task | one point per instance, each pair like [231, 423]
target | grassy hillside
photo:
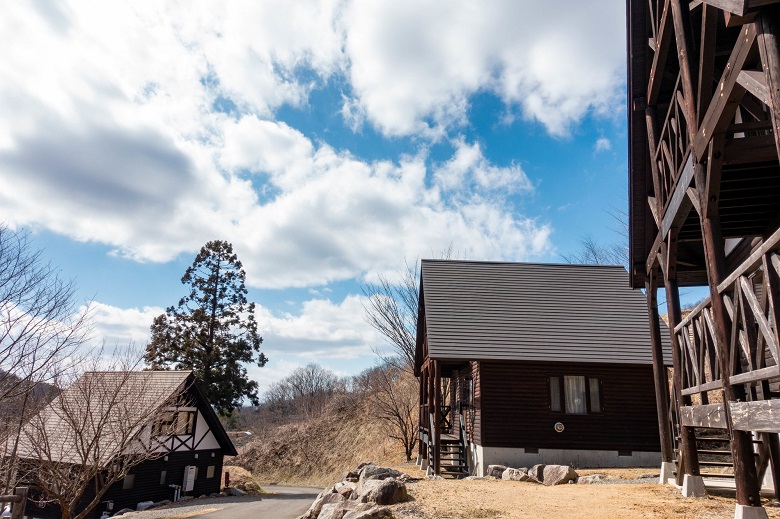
[319, 450]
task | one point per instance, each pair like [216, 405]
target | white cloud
[123, 326]
[414, 63]
[468, 166]
[602, 144]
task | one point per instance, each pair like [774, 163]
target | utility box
[189, 478]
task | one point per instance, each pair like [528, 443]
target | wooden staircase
[453, 459]
[714, 454]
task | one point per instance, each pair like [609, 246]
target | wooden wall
[147, 485]
[472, 416]
[515, 407]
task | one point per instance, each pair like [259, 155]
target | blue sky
[328, 140]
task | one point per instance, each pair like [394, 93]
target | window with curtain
[575, 394]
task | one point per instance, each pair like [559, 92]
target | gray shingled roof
[535, 312]
[130, 399]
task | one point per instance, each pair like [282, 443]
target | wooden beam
[653, 203]
[693, 195]
[663, 43]
[679, 205]
[754, 81]
[660, 381]
[768, 42]
[712, 416]
[760, 416]
[738, 7]
[651, 121]
[709, 31]
[729, 92]
[689, 69]
[711, 186]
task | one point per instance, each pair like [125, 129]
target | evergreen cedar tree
[212, 331]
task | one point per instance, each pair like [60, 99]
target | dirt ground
[451, 499]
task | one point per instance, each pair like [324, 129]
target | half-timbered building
[704, 120]
[523, 363]
[182, 439]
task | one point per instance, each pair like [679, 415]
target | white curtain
[574, 387]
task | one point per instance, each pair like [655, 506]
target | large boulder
[326, 498]
[375, 512]
[511, 474]
[552, 474]
[368, 472]
[345, 488]
[339, 510]
[383, 492]
[495, 471]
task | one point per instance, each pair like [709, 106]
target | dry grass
[450, 499]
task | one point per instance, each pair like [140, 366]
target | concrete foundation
[480, 457]
[667, 472]
[693, 486]
[749, 512]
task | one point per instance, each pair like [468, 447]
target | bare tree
[92, 435]
[593, 252]
[305, 392]
[40, 330]
[391, 391]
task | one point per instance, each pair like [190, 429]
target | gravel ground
[193, 507]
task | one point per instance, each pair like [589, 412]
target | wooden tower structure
[704, 196]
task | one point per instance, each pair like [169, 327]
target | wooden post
[745, 476]
[768, 42]
[18, 508]
[774, 461]
[437, 418]
[688, 453]
[421, 450]
[659, 371]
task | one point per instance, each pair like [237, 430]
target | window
[575, 394]
[178, 423]
[163, 477]
[128, 482]
[210, 472]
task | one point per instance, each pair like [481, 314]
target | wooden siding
[515, 407]
[147, 485]
[472, 415]
[534, 312]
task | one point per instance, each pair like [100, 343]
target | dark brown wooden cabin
[200, 441]
[704, 207]
[524, 363]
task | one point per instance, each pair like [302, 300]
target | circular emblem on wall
[559, 427]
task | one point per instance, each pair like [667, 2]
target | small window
[163, 477]
[595, 401]
[575, 394]
[210, 472]
[574, 389]
[128, 482]
[555, 394]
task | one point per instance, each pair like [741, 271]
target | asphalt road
[279, 503]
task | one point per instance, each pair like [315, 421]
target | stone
[383, 492]
[364, 464]
[323, 499]
[143, 505]
[375, 512]
[185, 498]
[511, 474]
[433, 476]
[495, 471]
[472, 478]
[338, 510]
[352, 476]
[375, 472]
[536, 473]
[168, 502]
[345, 488]
[237, 492]
[124, 511]
[558, 475]
[649, 475]
[593, 478]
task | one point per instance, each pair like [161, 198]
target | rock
[338, 510]
[183, 499]
[433, 476]
[143, 505]
[375, 512]
[352, 476]
[383, 492]
[345, 488]
[495, 471]
[124, 511]
[364, 464]
[472, 478]
[589, 480]
[375, 472]
[237, 492]
[511, 474]
[552, 474]
[320, 502]
[215, 494]
[649, 475]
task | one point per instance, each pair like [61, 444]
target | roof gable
[535, 312]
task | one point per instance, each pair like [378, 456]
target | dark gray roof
[535, 312]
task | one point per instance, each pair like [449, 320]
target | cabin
[162, 418]
[526, 363]
[704, 211]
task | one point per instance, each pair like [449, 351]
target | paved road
[280, 503]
